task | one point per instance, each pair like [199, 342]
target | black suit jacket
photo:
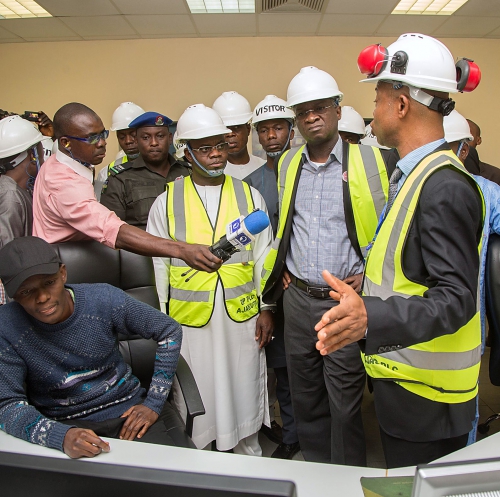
[274, 287]
[441, 253]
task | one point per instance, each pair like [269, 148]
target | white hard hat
[456, 128]
[414, 59]
[370, 139]
[17, 135]
[351, 121]
[233, 108]
[179, 147]
[199, 121]
[125, 114]
[272, 107]
[312, 84]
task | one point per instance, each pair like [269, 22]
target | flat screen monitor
[479, 478]
[27, 475]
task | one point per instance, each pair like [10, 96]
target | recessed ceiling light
[221, 6]
[12, 9]
[428, 7]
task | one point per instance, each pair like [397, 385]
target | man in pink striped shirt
[64, 203]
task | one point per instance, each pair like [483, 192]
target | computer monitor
[471, 478]
[38, 476]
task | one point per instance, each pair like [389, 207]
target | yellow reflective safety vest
[444, 369]
[368, 187]
[110, 168]
[191, 302]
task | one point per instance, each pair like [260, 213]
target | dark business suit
[326, 390]
[441, 252]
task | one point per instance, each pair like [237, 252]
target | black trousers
[326, 390]
[167, 430]
[400, 453]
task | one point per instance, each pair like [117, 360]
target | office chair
[92, 262]
[492, 282]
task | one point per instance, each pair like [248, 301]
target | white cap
[233, 108]
[456, 128]
[312, 84]
[125, 114]
[272, 107]
[424, 62]
[17, 135]
[199, 121]
[351, 121]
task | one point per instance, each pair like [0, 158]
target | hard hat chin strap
[133, 156]
[442, 105]
[277, 154]
[460, 148]
[212, 172]
[30, 184]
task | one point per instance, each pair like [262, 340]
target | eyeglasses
[92, 139]
[204, 151]
[319, 111]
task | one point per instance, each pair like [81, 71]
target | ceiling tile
[162, 25]
[288, 23]
[226, 24]
[396, 24]
[144, 7]
[468, 26]
[484, 8]
[99, 26]
[63, 8]
[494, 34]
[7, 35]
[360, 6]
[41, 27]
[50, 38]
[345, 24]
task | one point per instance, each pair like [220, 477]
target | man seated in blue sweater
[63, 381]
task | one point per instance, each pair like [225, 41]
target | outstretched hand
[343, 324]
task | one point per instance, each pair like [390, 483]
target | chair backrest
[92, 262]
[493, 305]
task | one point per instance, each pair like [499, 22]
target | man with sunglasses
[224, 328]
[331, 194]
[64, 204]
[133, 187]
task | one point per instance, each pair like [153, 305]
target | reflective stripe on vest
[191, 302]
[446, 368]
[368, 187]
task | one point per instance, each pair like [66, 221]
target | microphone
[239, 234]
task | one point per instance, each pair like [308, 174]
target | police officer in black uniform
[133, 186]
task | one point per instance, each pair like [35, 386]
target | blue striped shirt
[319, 238]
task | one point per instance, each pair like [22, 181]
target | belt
[318, 292]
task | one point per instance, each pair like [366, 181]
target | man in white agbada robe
[227, 358]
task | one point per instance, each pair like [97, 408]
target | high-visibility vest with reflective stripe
[368, 186]
[446, 368]
[191, 302]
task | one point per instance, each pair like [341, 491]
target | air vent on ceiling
[293, 6]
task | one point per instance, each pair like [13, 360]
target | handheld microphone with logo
[239, 233]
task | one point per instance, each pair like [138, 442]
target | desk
[311, 479]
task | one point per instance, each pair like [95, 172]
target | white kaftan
[224, 356]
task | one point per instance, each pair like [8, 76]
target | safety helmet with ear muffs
[468, 75]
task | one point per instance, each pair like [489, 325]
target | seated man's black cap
[24, 257]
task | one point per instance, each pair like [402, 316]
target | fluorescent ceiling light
[428, 7]
[12, 9]
[221, 6]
